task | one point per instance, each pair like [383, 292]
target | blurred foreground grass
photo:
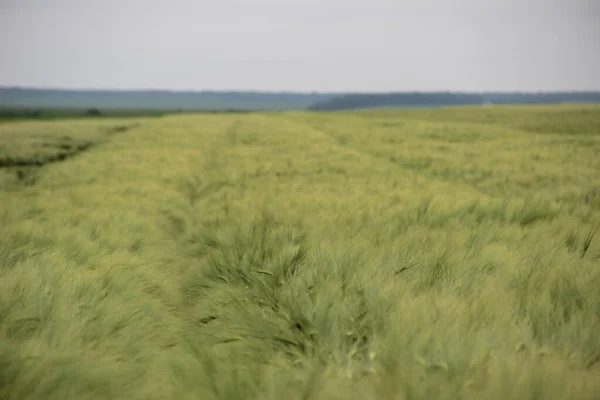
[373, 255]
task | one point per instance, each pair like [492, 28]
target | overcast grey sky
[304, 45]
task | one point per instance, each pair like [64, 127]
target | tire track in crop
[64, 150]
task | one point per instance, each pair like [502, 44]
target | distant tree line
[160, 100]
[56, 113]
[441, 99]
[19, 113]
[38, 103]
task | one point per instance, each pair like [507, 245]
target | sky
[302, 45]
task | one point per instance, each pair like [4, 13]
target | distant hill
[444, 99]
[156, 100]
[165, 101]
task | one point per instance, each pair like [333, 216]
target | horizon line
[301, 92]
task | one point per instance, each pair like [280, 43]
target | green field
[422, 254]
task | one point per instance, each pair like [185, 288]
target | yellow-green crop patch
[34, 144]
[372, 255]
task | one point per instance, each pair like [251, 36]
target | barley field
[422, 254]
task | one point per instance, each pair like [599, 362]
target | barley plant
[447, 254]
